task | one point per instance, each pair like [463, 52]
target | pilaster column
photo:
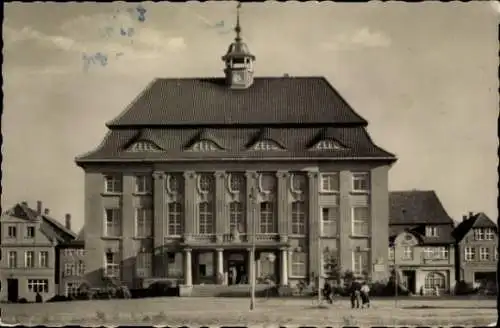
[221, 224]
[128, 228]
[284, 267]
[188, 272]
[251, 265]
[189, 204]
[251, 204]
[314, 223]
[345, 226]
[220, 263]
[159, 226]
[282, 202]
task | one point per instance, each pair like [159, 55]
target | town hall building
[196, 170]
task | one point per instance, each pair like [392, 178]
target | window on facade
[329, 182]
[236, 217]
[436, 253]
[81, 268]
[205, 183]
[69, 269]
[360, 181]
[470, 253]
[113, 222]
[175, 219]
[143, 184]
[38, 285]
[29, 259]
[329, 221]
[489, 234]
[44, 259]
[298, 218]
[173, 183]
[12, 232]
[236, 182]
[299, 264]
[391, 254]
[299, 182]
[435, 279]
[484, 254]
[267, 182]
[71, 288]
[113, 183]
[143, 222]
[144, 146]
[266, 145]
[360, 262]
[12, 258]
[484, 234]
[360, 220]
[112, 265]
[30, 232]
[267, 218]
[206, 218]
[431, 231]
[327, 145]
[205, 145]
[144, 264]
[408, 253]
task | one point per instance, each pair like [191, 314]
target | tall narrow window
[299, 264]
[113, 222]
[30, 232]
[329, 221]
[431, 231]
[112, 265]
[206, 218]
[12, 232]
[360, 220]
[144, 264]
[44, 259]
[29, 259]
[205, 183]
[175, 219]
[360, 182]
[236, 217]
[143, 184]
[360, 262]
[298, 218]
[12, 257]
[408, 253]
[143, 222]
[267, 218]
[113, 183]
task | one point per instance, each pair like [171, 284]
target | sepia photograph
[276, 164]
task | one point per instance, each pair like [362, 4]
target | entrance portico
[203, 265]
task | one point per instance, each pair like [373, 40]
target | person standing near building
[365, 295]
[355, 293]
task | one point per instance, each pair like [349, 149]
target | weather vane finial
[237, 29]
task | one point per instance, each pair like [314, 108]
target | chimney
[25, 203]
[464, 218]
[46, 211]
[471, 214]
[67, 221]
[39, 207]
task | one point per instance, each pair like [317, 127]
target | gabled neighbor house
[183, 173]
[28, 241]
[421, 245]
[476, 254]
[70, 259]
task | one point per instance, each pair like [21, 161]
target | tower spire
[237, 28]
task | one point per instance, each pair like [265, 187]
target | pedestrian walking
[355, 293]
[327, 292]
[365, 295]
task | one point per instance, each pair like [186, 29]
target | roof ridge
[59, 225]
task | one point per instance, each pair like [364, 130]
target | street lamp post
[253, 202]
[395, 277]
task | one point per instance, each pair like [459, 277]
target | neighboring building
[477, 249]
[174, 187]
[27, 245]
[421, 231]
[70, 263]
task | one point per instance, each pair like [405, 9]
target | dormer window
[266, 145]
[431, 231]
[205, 145]
[144, 145]
[327, 145]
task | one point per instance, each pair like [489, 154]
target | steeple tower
[238, 60]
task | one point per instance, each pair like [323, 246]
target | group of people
[359, 293]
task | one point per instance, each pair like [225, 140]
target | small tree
[331, 266]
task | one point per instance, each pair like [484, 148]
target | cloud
[362, 38]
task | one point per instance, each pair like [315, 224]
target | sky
[424, 75]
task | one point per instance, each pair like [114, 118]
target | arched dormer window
[266, 145]
[143, 145]
[205, 145]
[327, 144]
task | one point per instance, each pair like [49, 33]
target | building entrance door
[12, 290]
[409, 280]
[237, 268]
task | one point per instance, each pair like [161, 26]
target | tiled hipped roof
[413, 210]
[478, 220]
[193, 101]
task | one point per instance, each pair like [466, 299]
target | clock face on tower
[238, 77]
